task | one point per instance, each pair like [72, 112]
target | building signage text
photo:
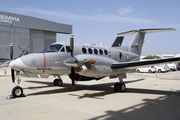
[8, 19]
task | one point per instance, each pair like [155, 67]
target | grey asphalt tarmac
[146, 98]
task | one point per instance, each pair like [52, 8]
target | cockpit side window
[68, 49]
[62, 50]
[53, 47]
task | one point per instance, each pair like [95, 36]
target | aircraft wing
[136, 64]
[3, 65]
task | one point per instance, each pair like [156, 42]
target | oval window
[84, 50]
[105, 52]
[100, 51]
[90, 50]
[95, 51]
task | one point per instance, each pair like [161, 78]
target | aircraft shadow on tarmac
[104, 89]
[162, 108]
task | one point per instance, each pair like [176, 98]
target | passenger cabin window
[54, 47]
[95, 51]
[84, 50]
[68, 49]
[105, 52]
[90, 50]
[100, 51]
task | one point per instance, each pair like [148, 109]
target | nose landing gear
[17, 91]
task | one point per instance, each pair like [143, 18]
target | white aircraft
[85, 62]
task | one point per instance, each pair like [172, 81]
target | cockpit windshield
[54, 47]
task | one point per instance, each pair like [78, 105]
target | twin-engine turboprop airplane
[86, 62]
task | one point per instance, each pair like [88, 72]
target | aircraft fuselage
[51, 62]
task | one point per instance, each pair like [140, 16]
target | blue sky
[96, 21]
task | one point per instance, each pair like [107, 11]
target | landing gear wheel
[58, 82]
[116, 87]
[119, 87]
[17, 91]
[122, 87]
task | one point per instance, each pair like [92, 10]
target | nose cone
[16, 64]
[72, 62]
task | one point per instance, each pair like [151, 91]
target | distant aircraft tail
[137, 41]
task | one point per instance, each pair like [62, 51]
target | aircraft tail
[137, 41]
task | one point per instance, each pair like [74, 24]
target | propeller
[11, 57]
[73, 62]
[72, 51]
[24, 51]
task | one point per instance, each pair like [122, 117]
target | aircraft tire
[122, 87]
[119, 87]
[116, 87]
[58, 82]
[17, 91]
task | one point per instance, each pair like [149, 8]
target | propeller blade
[72, 68]
[11, 57]
[19, 47]
[11, 51]
[72, 45]
[12, 75]
[27, 46]
[72, 75]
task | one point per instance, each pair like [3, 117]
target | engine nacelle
[100, 67]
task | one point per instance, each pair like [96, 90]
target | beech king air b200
[85, 62]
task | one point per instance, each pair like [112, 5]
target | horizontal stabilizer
[132, 65]
[146, 31]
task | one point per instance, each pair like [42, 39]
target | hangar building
[25, 30]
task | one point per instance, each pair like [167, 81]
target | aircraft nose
[72, 62]
[16, 64]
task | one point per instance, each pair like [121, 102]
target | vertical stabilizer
[136, 43]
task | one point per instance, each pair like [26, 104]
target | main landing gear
[120, 86]
[58, 82]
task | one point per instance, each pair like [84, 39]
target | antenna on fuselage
[101, 44]
[68, 40]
